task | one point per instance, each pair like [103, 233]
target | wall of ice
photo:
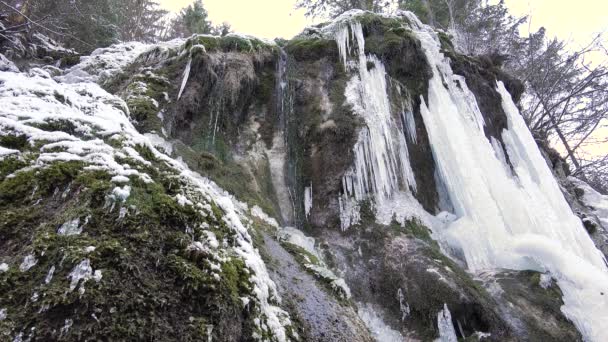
[515, 219]
[381, 170]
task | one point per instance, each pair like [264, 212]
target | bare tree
[333, 8]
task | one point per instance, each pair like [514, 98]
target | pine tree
[191, 20]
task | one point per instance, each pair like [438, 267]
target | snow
[83, 272]
[545, 281]
[3, 267]
[120, 179]
[380, 331]
[28, 262]
[182, 200]
[259, 213]
[2, 314]
[445, 326]
[597, 202]
[7, 65]
[121, 194]
[103, 63]
[514, 220]
[6, 152]
[71, 227]
[27, 101]
[297, 237]
[319, 269]
[160, 142]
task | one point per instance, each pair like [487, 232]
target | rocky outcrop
[277, 126]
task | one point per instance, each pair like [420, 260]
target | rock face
[175, 178]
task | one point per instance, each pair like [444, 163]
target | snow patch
[121, 194]
[83, 272]
[71, 227]
[380, 331]
[259, 213]
[28, 262]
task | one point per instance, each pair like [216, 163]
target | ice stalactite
[407, 114]
[508, 219]
[185, 77]
[445, 326]
[308, 200]
[381, 167]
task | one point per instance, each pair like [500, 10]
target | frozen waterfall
[381, 169]
[513, 220]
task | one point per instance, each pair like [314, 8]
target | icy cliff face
[513, 219]
[360, 182]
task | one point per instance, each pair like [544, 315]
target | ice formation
[514, 220]
[71, 227]
[445, 326]
[374, 322]
[185, 78]
[381, 167]
[28, 262]
[307, 200]
[597, 202]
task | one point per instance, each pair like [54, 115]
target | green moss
[416, 229]
[372, 21]
[57, 125]
[301, 255]
[44, 180]
[10, 164]
[211, 43]
[231, 176]
[311, 49]
[192, 278]
[446, 42]
[144, 111]
[69, 60]
[229, 43]
[235, 278]
[14, 141]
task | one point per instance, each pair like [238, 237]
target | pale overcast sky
[575, 20]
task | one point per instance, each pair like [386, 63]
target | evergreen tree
[87, 24]
[191, 20]
[334, 8]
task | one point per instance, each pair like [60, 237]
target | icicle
[404, 307]
[515, 220]
[445, 326]
[381, 166]
[308, 199]
[407, 115]
[185, 78]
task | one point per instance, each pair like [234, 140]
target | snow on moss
[28, 262]
[71, 227]
[104, 62]
[72, 119]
